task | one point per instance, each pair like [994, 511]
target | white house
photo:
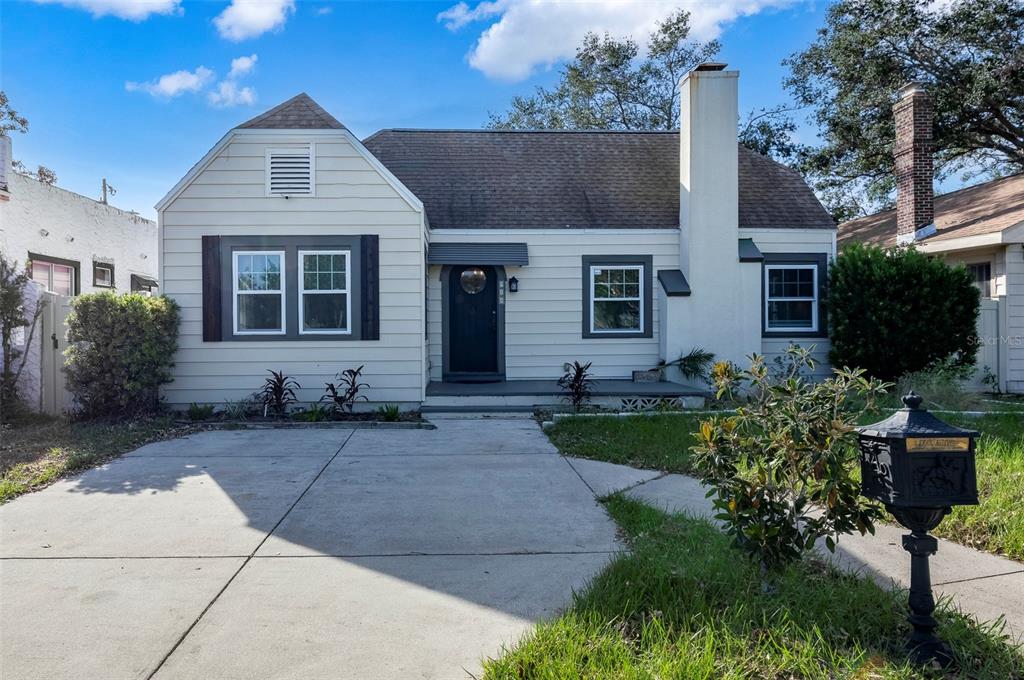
[473, 264]
[981, 227]
[74, 244]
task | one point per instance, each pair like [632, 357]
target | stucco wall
[228, 198]
[76, 228]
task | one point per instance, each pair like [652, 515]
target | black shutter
[370, 278]
[211, 289]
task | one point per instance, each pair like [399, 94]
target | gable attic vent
[290, 171]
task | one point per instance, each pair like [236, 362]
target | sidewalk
[982, 584]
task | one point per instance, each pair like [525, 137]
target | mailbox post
[919, 467]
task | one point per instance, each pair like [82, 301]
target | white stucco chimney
[721, 313]
[708, 173]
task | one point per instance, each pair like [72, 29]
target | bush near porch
[121, 350]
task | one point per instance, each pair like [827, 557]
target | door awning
[478, 253]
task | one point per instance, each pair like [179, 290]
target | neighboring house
[72, 243]
[981, 227]
[474, 264]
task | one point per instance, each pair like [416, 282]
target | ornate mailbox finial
[912, 400]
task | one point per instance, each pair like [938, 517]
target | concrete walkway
[987, 586]
[298, 554]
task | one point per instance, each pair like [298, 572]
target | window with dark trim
[103, 274]
[56, 274]
[617, 299]
[793, 294]
[274, 288]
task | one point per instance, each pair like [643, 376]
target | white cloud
[173, 84]
[229, 94]
[533, 33]
[323, 11]
[133, 10]
[242, 66]
[252, 18]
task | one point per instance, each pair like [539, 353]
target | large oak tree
[968, 53]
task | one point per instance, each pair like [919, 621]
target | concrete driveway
[298, 554]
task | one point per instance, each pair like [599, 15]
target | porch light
[513, 285]
[919, 467]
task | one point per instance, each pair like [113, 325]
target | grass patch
[657, 442]
[686, 604]
[38, 451]
[662, 442]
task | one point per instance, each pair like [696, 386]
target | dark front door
[473, 323]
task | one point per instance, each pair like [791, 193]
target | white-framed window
[55, 277]
[616, 299]
[325, 300]
[102, 275]
[258, 303]
[291, 171]
[791, 298]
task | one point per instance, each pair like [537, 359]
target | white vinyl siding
[544, 320]
[228, 198]
[330, 280]
[1014, 333]
[795, 241]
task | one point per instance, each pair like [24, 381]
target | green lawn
[37, 452]
[663, 442]
[685, 604]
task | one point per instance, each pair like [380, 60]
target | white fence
[992, 353]
[54, 397]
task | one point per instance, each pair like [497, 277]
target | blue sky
[86, 73]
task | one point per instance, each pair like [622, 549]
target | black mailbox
[914, 460]
[919, 467]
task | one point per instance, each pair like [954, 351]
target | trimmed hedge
[893, 312]
[121, 350]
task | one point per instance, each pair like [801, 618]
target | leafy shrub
[577, 384]
[14, 314]
[893, 312]
[121, 350]
[197, 412]
[389, 413]
[344, 395]
[783, 470]
[278, 393]
[694, 365]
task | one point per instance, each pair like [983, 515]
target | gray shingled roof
[490, 179]
[299, 112]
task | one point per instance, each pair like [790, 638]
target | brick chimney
[913, 155]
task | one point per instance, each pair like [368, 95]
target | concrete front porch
[528, 394]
